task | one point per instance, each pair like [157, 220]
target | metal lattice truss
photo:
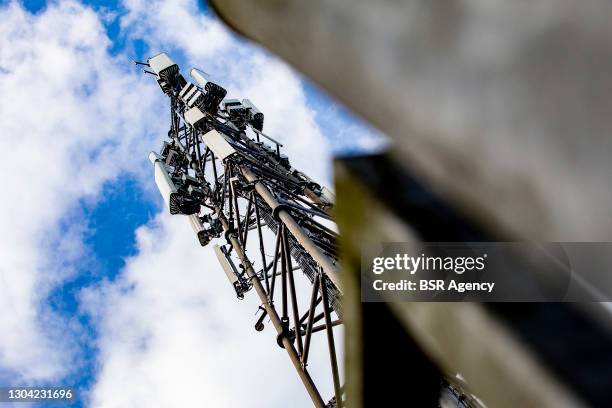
[216, 170]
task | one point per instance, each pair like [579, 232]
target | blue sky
[81, 304]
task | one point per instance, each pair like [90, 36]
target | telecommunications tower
[218, 170]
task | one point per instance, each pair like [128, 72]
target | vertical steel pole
[275, 265]
[294, 303]
[313, 305]
[261, 243]
[330, 340]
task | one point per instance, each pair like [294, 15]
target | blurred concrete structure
[503, 107]
[502, 112]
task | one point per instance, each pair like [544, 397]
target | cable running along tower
[218, 170]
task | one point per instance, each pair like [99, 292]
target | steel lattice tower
[227, 184]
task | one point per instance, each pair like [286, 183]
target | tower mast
[219, 170]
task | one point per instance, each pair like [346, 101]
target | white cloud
[171, 24]
[71, 117]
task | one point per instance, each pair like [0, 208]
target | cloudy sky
[100, 288]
